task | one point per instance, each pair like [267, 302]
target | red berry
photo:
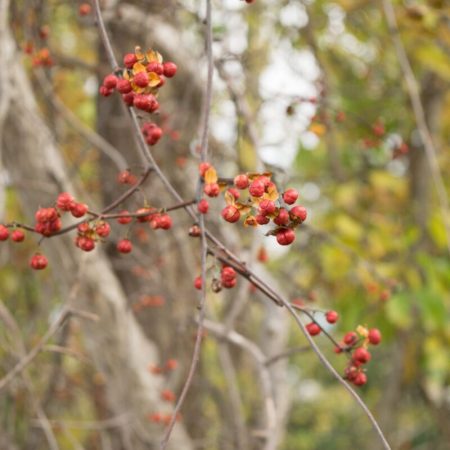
[129, 98]
[141, 79]
[228, 284]
[211, 189]
[4, 233]
[198, 283]
[110, 81]
[298, 213]
[241, 181]
[351, 373]
[168, 395]
[124, 246]
[104, 91]
[171, 364]
[332, 316]
[267, 207]
[124, 220]
[256, 188]
[165, 221]
[203, 206]
[84, 243]
[79, 209]
[203, 167]
[282, 218]
[228, 273]
[155, 67]
[231, 214]
[261, 220]
[350, 338]
[360, 379]
[124, 86]
[374, 336]
[17, 236]
[290, 196]
[129, 60]
[170, 69]
[234, 192]
[65, 201]
[313, 329]
[152, 133]
[38, 262]
[285, 236]
[84, 9]
[361, 355]
[148, 214]
[103, 229]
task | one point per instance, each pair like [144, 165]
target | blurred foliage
[365, 254]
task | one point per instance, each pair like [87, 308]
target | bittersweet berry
[332, 316]
[155, 67]
[124, 86]
[103, 229]
[128, 98]
[282, 218]
[361, 355]
[17, 236]
[203, 206]
[267, 207]
[124, 246]
[84, 9]
[313, 329]
[65, 201]
[234, 192]
[165, 221]
[211, 189]
[168, 396]
[229, 283]
[256, 188]
[84, 243]
[360, 379]
[104, 91]
[171, 364]
[231, 214]
[298, 213]
[374, 336]
[170, 69]
[141, 79]
[285, 236]
[129, 60]
[38, 262]
[4, 233]
[124, 220]
[198, 282]
[227, 273]
[110, 81]
[290, 196]
[79, 209]
[350, 338]
[203, 167]
[241, 181]
[261, 220]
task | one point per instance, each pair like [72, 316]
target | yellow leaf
[138, 53]
[154, 79]
[253, 175]
[243, 209]
[272, 193]
[229, 198]
[211, 176]
[138, 67]
[318, 129]
[154, 56]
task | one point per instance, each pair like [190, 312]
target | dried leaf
[211, 176]
[229, 198]
[250, 221]
[138, 53]
[154, 56]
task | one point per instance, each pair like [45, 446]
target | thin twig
[204, 244]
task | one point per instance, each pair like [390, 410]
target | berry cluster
[140, 79]
[262, 205]
[355, 344]
[227, 280]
